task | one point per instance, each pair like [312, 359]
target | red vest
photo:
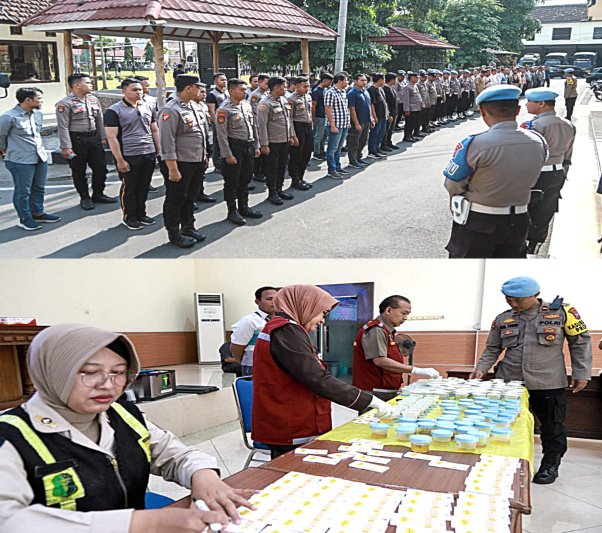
[366, 375]
[283, 409]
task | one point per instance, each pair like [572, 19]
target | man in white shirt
[247, 329]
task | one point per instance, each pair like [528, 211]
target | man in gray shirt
[25, 157]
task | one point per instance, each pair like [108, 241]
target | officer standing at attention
[424, 95]
[183, 155]
[216, 98]
[239, 146]
[399, 85]
[300, 102]
[255, 98]
[82, 139]
[489, 180]
[276, 134]
[559, 133]
[412, 106]
[570, 92]
[532, 334]
[432, 98]
[198, 100]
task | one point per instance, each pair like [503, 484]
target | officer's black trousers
[544, 204]
[135, 183]
[356, 141]
[550, 408]
[300, 155]
[410, 125]
[275, 166]
[400, 115]
[424, 119]
[570, 105]
[215, 155]
[439, 109]
[453, 104]
[484, 236]
[463, 102]
[388, 139]
[238, 176]
[89, 151]
[259, 166]
[471, 99]
[178, 208]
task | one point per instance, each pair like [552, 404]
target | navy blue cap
[498, 92]
[541, 94]
[521, 287]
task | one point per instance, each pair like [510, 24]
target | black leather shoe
[421, 135]
[250, 187]
[309, 185]
[260, 179]
[104, 199]
[285, 195]
[250, 213]
[275, 199]
[195, 206]
[87, 204]
[181, 241]
[409, 140]
[194, 234]
[207, 199]
[235, 218]
[548, 471]
[300, 185]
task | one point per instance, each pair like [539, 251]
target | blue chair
[152, 500]
[243, 394]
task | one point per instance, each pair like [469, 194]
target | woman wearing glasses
[74, 459]
[292, 389]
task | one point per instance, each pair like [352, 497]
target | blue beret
[541, 94]
[498, 92]
[422, 72]
[520, 287]
[567, 70]
[446, 71]
[454, 71]
[402, 72]
[467, 71]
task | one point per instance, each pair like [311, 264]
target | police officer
[454, 85]
[239, 146]
[82, 139]
[532, 335]
[183, 155]
[464, 97]
[570, 92]
[490, 178]
[559, 133]
[276, 134]
[412, 105]
[439, 106]
[300, 102]
[424, 95]
[216, 98]
[198, 100]
[255, 97]
[432, 97]
[447, 96]
[397, 89]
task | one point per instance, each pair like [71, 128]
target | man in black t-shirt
[380, 112]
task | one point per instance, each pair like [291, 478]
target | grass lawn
[150, 74]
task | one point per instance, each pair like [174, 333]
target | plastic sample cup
[501, 435]
[442, 436]
[403, 431]
[379, 430]
[503, 421]
[467, 442]
[426, 426]
[482, 436]
[485, 427]
[420, 443]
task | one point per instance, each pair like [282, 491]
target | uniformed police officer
[216, 98]
[412, 105]
[276, 134]
[424, 95]
[183, 155]
[559, 133]
[397, 89]
[454, 85]
[255, 98]
[300, 102]
[570, 92]
[532, 334]
[82, 139]
[239, 146]
[489, 180]
[198, 100]
[432, 97]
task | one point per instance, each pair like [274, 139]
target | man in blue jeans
[319, 114]
[337, 113]
[26, 160]
[380, 112]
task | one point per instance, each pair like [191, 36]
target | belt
[92, 133]
[240, 142]
[488, 210]
[551, 168]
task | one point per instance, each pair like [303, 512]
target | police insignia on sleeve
[574, 324]
[221, 117]
[262, 107]
[458, 168]
[60, 108]
[165, 116]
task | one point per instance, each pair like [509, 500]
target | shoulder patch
[262, 107]
[60, 108]
[574, 324]
[527, 125]
[254, 98]
[458, 169]
[165, 116]
[221, 116]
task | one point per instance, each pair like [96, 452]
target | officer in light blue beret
[489, 180]
[570, 92]
[521, 287]
[559, 133]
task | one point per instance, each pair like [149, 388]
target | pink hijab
[303, 302]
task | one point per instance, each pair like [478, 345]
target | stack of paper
[476, 513]
[423, 511]
[493, 475]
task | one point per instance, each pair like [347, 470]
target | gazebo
[205, 21]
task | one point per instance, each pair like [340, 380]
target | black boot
[274, 198]
[246, 211]
[299, 184]
[178, 239]
[193, 234]
[548, 470]
[235, 218]
[285, 195]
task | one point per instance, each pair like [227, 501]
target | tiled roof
[406, 37]
[561, 13]
[16, 11]
[191, 19]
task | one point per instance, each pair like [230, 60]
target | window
[598, 33]
[26, 62]
[561, 34]
[15, 30]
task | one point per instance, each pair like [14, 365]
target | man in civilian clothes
[380, 113]
[216, 98]
[361, 121]
[387, 143]
[319, 114]
[339, 120]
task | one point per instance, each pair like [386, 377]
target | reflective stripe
[137, 426]
[264, 336]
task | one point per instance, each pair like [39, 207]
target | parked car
[594, 76]
[557, 71]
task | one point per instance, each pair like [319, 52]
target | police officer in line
[397, 89]
[432, 97]
[82, 138]
[255, 97]
[276, 135]
[489, 180]
[447, 95]
[183, 155]
[239, 146]
[424, 95]
[198, 100]
[300, 102]
[454, 85]
[412, 106]
[559, 133]
[439, 106]
[215, 99]
[570, 92]
[532, 335]
[464, 97]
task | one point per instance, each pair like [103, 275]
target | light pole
[342, 29]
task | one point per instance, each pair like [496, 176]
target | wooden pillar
[94, 71]
[157, 42]
[215, 48]
[103, 64]
[305, 56]
[68, 55]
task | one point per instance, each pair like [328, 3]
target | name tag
[277, 110]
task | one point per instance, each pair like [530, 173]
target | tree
[518, 24]
[128, 52]
[473, 25]
[149, 52]
[419, 15]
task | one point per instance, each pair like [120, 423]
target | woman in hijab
[74, 459]
[292, 389]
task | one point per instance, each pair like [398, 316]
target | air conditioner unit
[210, 331]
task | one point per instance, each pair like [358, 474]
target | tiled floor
[572, 503]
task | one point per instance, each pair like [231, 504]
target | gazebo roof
[16, 11]
[190, 20]
[406, 37]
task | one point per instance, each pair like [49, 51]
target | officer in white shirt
[247, 329]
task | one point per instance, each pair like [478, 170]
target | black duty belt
[92, 133]
[240, 142]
